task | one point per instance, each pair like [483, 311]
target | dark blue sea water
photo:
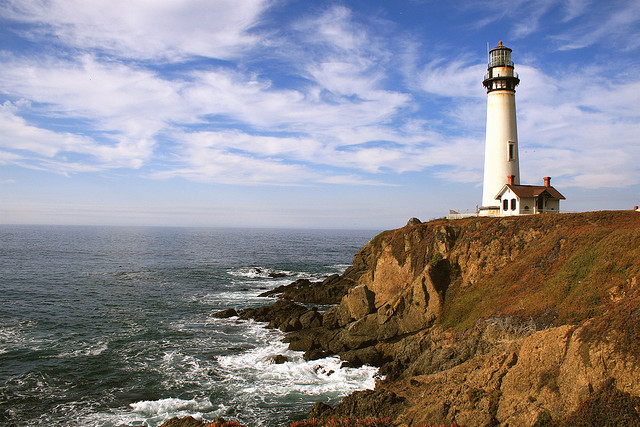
[112, 326]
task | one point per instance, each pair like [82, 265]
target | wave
[181, 371]
[155, 412]
[169, 406]
[269, 383]
[256, 372]
[260, 273]
[338, 268]
[274, 274]
[86, 349]
[17, 335]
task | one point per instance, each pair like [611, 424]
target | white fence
[466, 213]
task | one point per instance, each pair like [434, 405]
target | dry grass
[572, 268]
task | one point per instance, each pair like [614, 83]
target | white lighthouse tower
[501, 163]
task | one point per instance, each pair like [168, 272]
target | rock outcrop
[486, 321]
[329, 291]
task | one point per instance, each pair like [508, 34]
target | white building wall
[501, 131]
[508, 196]
[527, 206]
[552, 206]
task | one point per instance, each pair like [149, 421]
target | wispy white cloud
[614, 26]
[120, 109]
[575, 8]
[18, 135]
[523, 16]
[581, 128]
[342, 122]
[160, 29]
[452, 78]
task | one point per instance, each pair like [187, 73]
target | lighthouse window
[512, 150]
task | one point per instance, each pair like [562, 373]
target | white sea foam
[255, 373]
[259, 272]
[14, 336]
[239, 299]
[155, 412]
[339, 268]
[87, 349]
[153, 408]
[181, 369]
[272, 274]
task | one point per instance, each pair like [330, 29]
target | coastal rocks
[279, 359]
[361, 404]
[497, 377]
[183, 422]
[558, 371]
[311, 319]
[314, 342]
[486, 321]
[329, 291]
[358, 302]
[272, 274]
[225, 314]
[467, 393]
[414, 308]
[354, 344]
[283, 314]
[354, 328]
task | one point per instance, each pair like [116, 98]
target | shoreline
[469, 323]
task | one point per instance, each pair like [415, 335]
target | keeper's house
[528, 199]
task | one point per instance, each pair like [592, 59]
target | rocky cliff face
[488, 321]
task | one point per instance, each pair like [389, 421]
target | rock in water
[277, 275]
[224, 314]
[280, 359]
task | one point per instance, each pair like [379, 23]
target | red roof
[530, 191]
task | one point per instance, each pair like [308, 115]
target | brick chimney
[547, 181]
[511, 178]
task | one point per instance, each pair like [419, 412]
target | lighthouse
[501, 162]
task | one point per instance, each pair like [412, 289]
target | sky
[305, 114]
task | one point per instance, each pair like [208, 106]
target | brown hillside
[527, 320]
[558, 269]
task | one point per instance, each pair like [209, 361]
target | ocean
[113, 326]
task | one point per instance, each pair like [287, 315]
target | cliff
[530, 320]
[522, 321]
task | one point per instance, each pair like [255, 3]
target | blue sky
[327, 114]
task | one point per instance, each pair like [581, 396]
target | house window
[505, 204]
[512, 151]
[513, 204]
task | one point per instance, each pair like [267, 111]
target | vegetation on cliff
[556, 269]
